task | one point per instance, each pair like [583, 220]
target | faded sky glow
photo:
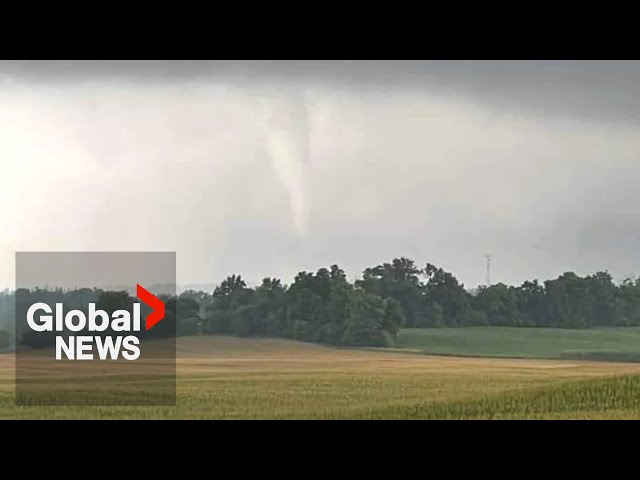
[268, 169]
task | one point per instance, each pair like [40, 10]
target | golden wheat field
[234, 378]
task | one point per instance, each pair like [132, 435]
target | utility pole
[488, 257]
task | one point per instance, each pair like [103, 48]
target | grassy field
[618, 344]
[231, 378]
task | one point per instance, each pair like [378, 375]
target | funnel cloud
[287, 139]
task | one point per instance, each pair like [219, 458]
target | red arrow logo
[155, 303]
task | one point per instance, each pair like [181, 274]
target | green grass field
[233, 378]
[617, 344]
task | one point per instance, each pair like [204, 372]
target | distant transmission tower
[488, 257]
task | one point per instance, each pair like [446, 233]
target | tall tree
[444, 290]
[399, 280]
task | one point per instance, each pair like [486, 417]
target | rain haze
[270, 168]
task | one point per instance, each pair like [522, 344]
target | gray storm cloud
[236, 163]
[590, 90]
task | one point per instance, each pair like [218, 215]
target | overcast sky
[269, 168]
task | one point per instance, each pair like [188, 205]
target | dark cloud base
[590, 90]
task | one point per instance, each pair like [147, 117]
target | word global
[80, 347]
[98, 322]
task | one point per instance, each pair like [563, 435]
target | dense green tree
[443, 289]
[365, 325]
[604, 304]
[394, 317]
[500, 305]
[230, 295]
[399, 280]
[531, 304]
[435, 314]
[568, 302]
[188, 318]
[628, 302]
[269, 303]
[306, 308]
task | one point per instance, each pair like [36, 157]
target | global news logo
[125, 343]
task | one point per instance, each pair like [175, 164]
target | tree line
[325, 307]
